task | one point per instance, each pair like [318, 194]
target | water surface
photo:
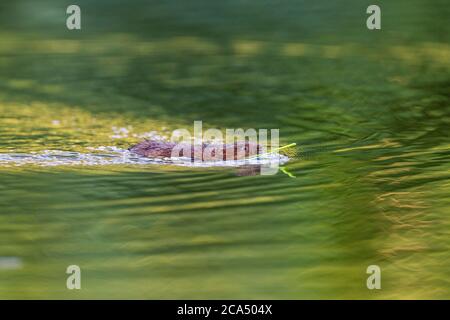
[369, 110]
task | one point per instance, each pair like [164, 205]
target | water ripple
[111, 155]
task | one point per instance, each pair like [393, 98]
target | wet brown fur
[163, 149]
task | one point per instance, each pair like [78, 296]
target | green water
[370, 111]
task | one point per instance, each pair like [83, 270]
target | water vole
[163, 149]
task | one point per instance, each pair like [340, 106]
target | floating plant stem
[274, 151]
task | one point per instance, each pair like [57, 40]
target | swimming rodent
[163, 149]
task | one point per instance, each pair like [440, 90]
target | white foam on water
[109, 155]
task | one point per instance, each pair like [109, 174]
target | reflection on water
[10, 263]
[370, 111]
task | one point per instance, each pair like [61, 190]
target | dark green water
[370, 111]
